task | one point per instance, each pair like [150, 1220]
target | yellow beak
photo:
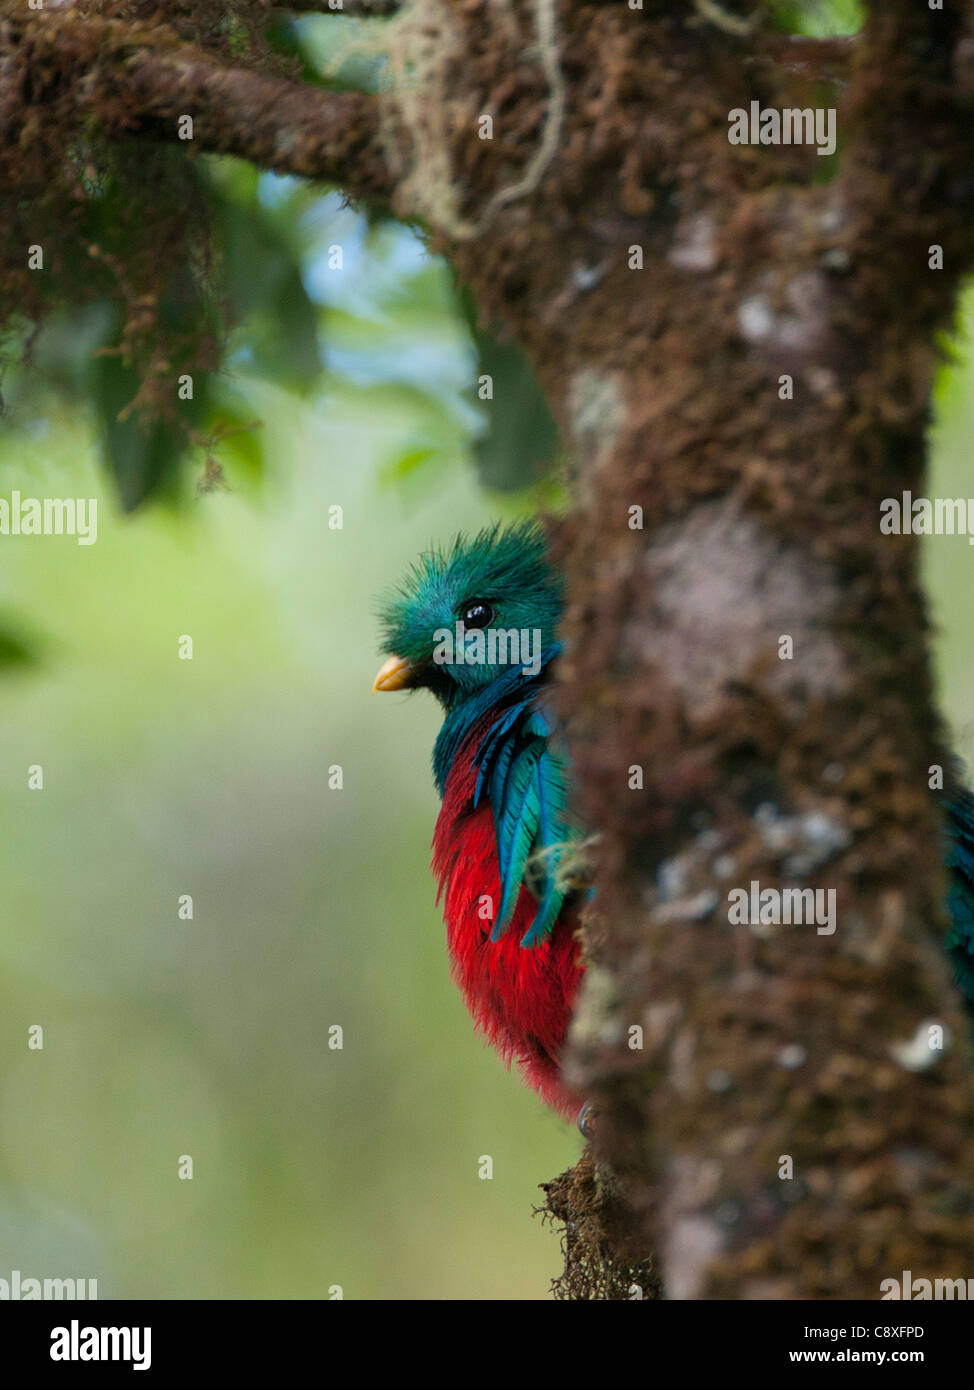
[393, 674]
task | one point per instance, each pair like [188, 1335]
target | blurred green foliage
[518, 441]
[284, 291]
[818, 17]
[312, 906]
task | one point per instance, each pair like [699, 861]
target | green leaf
[819, 18]
[521, 437]
[264, 288]
[403, 466]
[142, 458]
[412, 472]
[290, 353]
[15, 649]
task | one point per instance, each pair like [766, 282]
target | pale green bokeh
[949, 560]
[313, 1167]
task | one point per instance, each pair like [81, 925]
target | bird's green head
[464, 616]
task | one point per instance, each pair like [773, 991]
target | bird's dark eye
[477, 613]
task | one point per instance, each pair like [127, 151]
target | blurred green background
[313, 905]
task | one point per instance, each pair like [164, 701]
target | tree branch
[138, 81]
[278, 125]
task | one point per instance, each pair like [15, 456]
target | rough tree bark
[610, 132]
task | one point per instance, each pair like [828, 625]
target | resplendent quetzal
[476, 625]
